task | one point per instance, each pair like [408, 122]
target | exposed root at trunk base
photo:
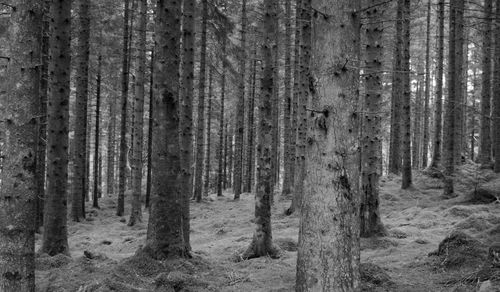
[254, 251]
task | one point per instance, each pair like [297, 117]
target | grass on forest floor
[417, 220]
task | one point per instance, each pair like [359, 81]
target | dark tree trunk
[110, 175]
[287, 107]
[250, 154]
[97, 156]
[406, 97]
[206, 186]
[425, 142]
[221, 176]
[417, 123]
[496, 94]
[275, 102]
[150, 132]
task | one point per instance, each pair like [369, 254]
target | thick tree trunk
[459, 88]
[276, 102]
[200, 130]
[150, 134]
[165, 236]
[97, 156]
[18, 133]
[484, 155]
[138, 137]
[328, 252]
[80, 137]
[406, 97]
[262, 243]
[55, 237]
[209, 128]
[250, 154]
[371, 153]
[122, 176]
[425, 142]
[221, 177]
[287, 107]
[495, 115]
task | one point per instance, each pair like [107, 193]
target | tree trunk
[18, 133]
[206, 186]
[459, 88]
[438, 114]
[484, 155]
[222, 137]
[240, 107]
[395, 158]
[138, 137]
[417, 122]
[275, 102]
[110, 175]
[425, 142]
[328, 251]
[124, 107]
[230, 155]
[200, 130]
[250, 156]
[472, 122]
[150, 133]
[262, 243]
[165, 236]
[371, 154]
[496, 94]
[226, 146]
[406, 97]
[55, 237]
[287, 107]
[97, 169]
[82, 79]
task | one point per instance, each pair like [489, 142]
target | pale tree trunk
[262, 242]
[417, 136]
[406, 180]
[19, 106]
[138, 137]
[80, 139]
[209, 128]
[484, 155]
[425, 142]
[165, 238]
[55, 236]
[275, 102]
[97, 169]
[328, 251]
[395, 158]
[240, 107]
[459, 88]
[438, 114]
[124, 108]
[221, 176]
[371, 154]
[287, 107]
[472, 122]
[110, 175]
[200, 129]
[495, 115]
[250, 156]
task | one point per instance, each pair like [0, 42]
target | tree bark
[221, 177]
[250, 154]
[417, 126]
[287, 107]
[209, 128]
[18, 133]
[55, 237]
[425, 142]
[97, 169]
[406, 97]
[328, 251]
[150, 134]
[276, 102]
[495, 115]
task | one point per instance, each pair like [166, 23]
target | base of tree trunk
[256, 250]
[158, 253]
[376, 231]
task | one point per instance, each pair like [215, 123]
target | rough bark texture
[459, 87]
[230, 154]
[438, 103]
[262, 243]
[97, 156]
[55, 237]
[240, 107]
[111, 155]
[150, 137]
[425, 142]
[250, 153]
[287, 107]
[80, 138]
[371, 153]
[122, 176]
[276, 101]
[138, 137]
[206, 185]
[397, 96]
[417, 122]
[328, 252]
[165, 236]
[406, 96]
[18, 135]
[495, 114]
[200, 129]
[484, 155]
[221, 176]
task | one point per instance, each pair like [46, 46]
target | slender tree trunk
[230, 155]
[82, 79]
[222, 137]
[459, 88]
[209, 128]
[328, 251]
[200, 130]
[110, 178]
[55, 237]
[138, 137]
[371, 154]
[438, 114]
[406, 97]
[150, 132]
[240, 107]
[495, 115]
[226, 146]
[472, 123]
[484, 155]
[250, 156]
[165, 238]
[276, 102]
[287, 107]
[20, 103]
[97, 169]
[425, 142]
[417, 135]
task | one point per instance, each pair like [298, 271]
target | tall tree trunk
[120, 209]
[395, 158]
[55, 237]
[328, 251]
[276, 102]
[262, 242]
[371, 153]
[209, 128]
[459, 88]
[150, 132]
[226, 146]
[97, 169]
[438, 114]
[250, 156]
[82, 79]
[230, 154]
[287, 107]
[222, 137]
[18, 133]
[496, 94]
[200, 130]
[472, 122]
[240, 107]
[110, 175]
[425, 142]
[406, 97]
[165, 236]
[484, 155]
[138, 137]
[417, 122]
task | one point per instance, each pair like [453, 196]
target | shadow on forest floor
[103, 247]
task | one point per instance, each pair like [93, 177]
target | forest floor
[417, 221]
